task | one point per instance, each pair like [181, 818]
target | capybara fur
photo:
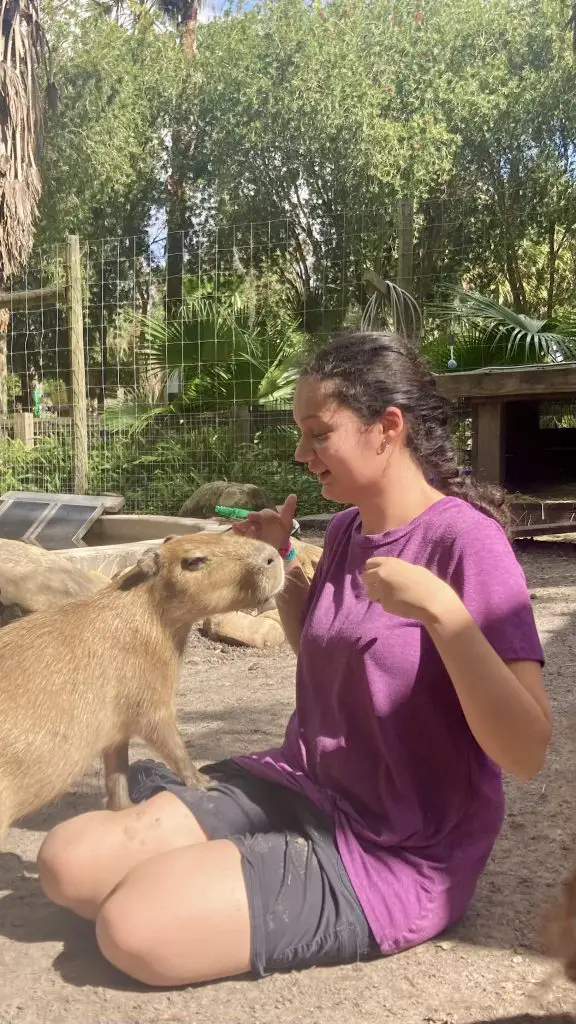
[81, 680]
[36, 580]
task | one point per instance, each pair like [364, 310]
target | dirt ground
[486, 969]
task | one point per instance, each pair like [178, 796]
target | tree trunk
[514, 278]
[176, 225]
[4, 324]
[552, 259]
[513, 272]
[176, 206]
[188, 26]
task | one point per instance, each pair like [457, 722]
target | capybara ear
[147, 566]
[149, 562]
[166, 539]
[193, 562]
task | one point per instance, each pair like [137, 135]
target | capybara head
[210, 573]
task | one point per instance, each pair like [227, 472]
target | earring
[383, 447]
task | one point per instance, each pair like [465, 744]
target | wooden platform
[532, 518]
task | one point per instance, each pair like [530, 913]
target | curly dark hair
[370, 372]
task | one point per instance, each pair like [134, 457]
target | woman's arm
[290, 603]
[505, 704]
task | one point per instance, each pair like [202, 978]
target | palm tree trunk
[23, 48]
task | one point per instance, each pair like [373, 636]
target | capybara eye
[193, 562]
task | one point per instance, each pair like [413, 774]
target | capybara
[36, 580]
[82, 679]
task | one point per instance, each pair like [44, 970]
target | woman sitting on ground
[419, 681]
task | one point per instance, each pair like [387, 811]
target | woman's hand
[404, 589]
[272, 527]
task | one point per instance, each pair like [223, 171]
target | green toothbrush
[231, 513]
[227, 512]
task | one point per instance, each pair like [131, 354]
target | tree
[104, 160]
[236, 346]
[24, 53]
[24, 49]
[312, 121]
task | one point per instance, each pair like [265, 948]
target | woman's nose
[302, 453]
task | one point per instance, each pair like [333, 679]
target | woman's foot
[148, 777]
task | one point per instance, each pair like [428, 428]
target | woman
[419, 680]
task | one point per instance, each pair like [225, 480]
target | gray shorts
[303, 909]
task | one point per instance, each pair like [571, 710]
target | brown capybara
[36, 580]
[82, 679]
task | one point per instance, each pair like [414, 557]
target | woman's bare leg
[180, 917]
[83, 859]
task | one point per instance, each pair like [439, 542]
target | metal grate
[53, 522]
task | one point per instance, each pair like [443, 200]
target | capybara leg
[116, 778]
[5, 819]
[165, 737]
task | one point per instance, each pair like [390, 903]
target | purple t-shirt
[378, 739]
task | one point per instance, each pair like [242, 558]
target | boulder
[202, 503]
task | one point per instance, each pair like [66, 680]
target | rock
[251, 631]
[202, 503]
[309, 556]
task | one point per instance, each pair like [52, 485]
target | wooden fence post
[4, 324]
[405, 269]
[77, 364]
[24, 428]
[242, 421]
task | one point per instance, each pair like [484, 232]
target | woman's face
[344, 453]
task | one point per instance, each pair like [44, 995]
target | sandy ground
[486, 969]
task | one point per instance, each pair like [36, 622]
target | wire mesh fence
[190, 342]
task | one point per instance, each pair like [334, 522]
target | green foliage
[235, 347]
[12, 384]
[46, 467]
[158, 468]
[485, 333]
[106, 144]
[326, 115]
[157, 478]
[55, 390]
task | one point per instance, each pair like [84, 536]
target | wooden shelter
[523, 423]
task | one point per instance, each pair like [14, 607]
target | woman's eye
[319, 437]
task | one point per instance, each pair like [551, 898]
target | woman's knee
[128, 942]
[180, 918]
[83, 859]
[65, 862]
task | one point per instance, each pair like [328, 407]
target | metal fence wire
[146, 366]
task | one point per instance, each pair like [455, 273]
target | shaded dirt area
[486, 969]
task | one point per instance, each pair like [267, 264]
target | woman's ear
[392, 424]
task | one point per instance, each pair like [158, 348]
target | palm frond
[522, 336]
[391, 308]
